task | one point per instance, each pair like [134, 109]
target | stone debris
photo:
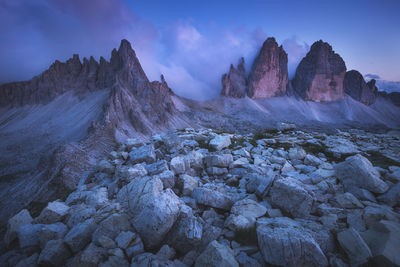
[220, 202]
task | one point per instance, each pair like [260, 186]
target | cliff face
[269, 74]
[58, 125]
[320, 74]
[234, 83]
[356, 87]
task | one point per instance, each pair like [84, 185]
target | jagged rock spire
[269, 74]
[320, 74]
[234, 83]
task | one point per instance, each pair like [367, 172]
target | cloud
[36, 33]
[296, 51]
[372, 76]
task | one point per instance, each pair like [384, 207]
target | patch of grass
[378, 159]
[279, 145]
[204, 144]
[319, 147]
[246, 236]
[236, 142]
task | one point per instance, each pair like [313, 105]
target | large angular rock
[54, 254]
[269, 73]
[212, 198]
[354, 246]
[216, 255]
[392, 197]
[291, 196]
[319, 76]
[356, 87]
[384, 240]
[357, 171]
[186, 234]
[80, 235]
[111, 227]
[248, 208]
[178, 165]
[283, 243]
[51, 232]
[143, 154]
[220, 142]
[153, 210]
[234, 83]
[28, 235]
[20, 219]
[221, 161]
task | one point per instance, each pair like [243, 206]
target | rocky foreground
[200, 198]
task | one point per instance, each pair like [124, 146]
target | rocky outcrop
[320, 74]
[234, 83]
[83, 109]
[269, 73]
[254, 214]
[356, 87]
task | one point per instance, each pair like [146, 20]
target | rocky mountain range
[76, 137]
[320, 77]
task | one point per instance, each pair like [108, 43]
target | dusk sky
[193, 42]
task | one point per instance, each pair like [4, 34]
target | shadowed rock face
[356, 87]
[320, 74]
[64, 120]
[234, 82]
[269, 74]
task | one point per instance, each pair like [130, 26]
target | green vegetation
[204, 144]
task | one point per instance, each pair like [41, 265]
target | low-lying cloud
[35, 33]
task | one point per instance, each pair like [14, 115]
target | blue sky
[193, 42]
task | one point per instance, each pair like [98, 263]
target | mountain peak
[269, 73]
[320, 74]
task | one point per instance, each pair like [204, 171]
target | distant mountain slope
[61, 123]
[247, 114]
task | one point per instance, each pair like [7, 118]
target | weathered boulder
[348, 201]
[283, 243]
[219, 142]
[297, 153]
[212, 198]
[188, 184]
[384, 240]
[143, 154]
[392, 197]
[157, 167]
[290, 195]
[125, 238]
[222, 161]
[234, 82]
[178, 165]
[28, 235]
[357, 171]
[20, 219]
[80, 235]
[248, 208]
[111, 227]
[319, 76]
[51, 232]
[187, 232]
[54, 254]
[216, 255]
[356, 87]
[153, 210]
[354, 246]
[269, 73]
